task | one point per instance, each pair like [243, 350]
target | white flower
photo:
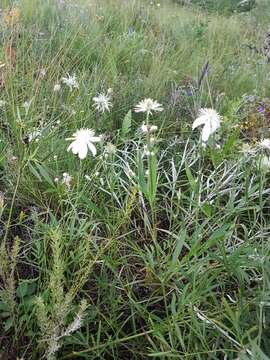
[83, 140]
[42, 72]
[102, 102]
[67, 180]
[34, 135]
[57, 87]
[27, 105]
[210, 120]
[148, 129]
[146, 151]
[110, 148]
[2, 103]
[247, 149]
[265, 144]
[71, 82]
[148, 105]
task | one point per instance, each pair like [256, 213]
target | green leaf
[141, 176]
[22, 289]
[25, 288]
[192, 181]
[34, 172]
[44, 174]
[179, 245]
[8, 324]
[3, 306]
[207, 209]
[126, 125]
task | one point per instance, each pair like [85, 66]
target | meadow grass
[127, 256]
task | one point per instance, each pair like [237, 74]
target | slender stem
[11, 208]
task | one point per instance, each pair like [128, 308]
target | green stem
[11, 208]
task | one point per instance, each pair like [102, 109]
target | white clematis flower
[102, 102]
[210, 119]
[71, 82]
[265, 144]
[147, 106]
[83, 140]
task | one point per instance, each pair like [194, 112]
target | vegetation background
[120, 262]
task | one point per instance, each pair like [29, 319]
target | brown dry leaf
[2, 71]
[10, 52]
[2, 80]
[12, 16]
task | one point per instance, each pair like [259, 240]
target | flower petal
[206, 131]
[199, 121]
[92, 148]
[95, 139]
[82, 152]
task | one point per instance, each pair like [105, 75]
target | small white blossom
[42, 72]
[67, 180]
[102, 102]
[210, 120]
[83, 140]
[27, 105]
[57, 87]
[71, 82]
[265, 144]
[147, 106]
[2, 103]
[148, 129]
[248, 150]
[34, 135]
[110, 148]
[146, 151]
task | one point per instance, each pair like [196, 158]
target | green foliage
[221, 6]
